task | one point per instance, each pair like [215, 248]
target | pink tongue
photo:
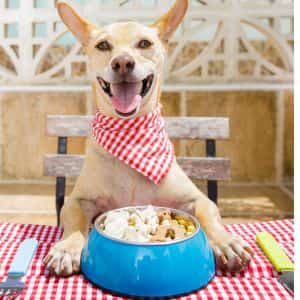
[126, 96]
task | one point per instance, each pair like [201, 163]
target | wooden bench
[209, 168]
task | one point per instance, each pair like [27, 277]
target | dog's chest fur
[106, 183]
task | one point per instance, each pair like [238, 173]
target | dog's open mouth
[126, 96]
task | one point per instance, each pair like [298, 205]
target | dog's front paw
[232, 253]
[64, 258]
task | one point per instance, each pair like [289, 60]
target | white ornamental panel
[220, 40]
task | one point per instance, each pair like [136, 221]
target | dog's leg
[64, 257]
[232, 253]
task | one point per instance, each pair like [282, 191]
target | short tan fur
[131, 54]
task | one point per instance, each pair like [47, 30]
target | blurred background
[230, 58]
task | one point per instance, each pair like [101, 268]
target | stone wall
[251, 147]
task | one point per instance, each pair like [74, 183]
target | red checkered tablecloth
[258, 282]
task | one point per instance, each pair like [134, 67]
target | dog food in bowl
[146, 225]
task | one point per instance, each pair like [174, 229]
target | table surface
[258, 282]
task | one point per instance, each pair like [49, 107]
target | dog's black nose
[123, 64]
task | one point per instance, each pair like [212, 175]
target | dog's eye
[104, 46]
[144, 44]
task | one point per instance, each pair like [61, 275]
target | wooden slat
[197, 128]
[206, 168]
[60, 125]
[196, 167]
[177, 127]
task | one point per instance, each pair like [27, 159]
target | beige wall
[289, 136]
[252, 126]
[251, 146]
[23, 122]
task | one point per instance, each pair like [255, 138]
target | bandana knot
[141, 142]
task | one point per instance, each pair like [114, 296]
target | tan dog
[126, 60]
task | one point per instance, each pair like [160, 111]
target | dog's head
[126, 60]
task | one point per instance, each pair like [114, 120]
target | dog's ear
[168, 23]
[77, 25]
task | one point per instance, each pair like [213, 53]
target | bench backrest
[210, 168]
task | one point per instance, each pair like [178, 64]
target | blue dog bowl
[148, 269]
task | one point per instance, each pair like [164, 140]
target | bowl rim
[181, 212]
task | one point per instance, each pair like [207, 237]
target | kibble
[148, 225]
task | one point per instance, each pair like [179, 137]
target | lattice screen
[220, 40]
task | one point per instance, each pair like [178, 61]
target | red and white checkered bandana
[141, 142]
